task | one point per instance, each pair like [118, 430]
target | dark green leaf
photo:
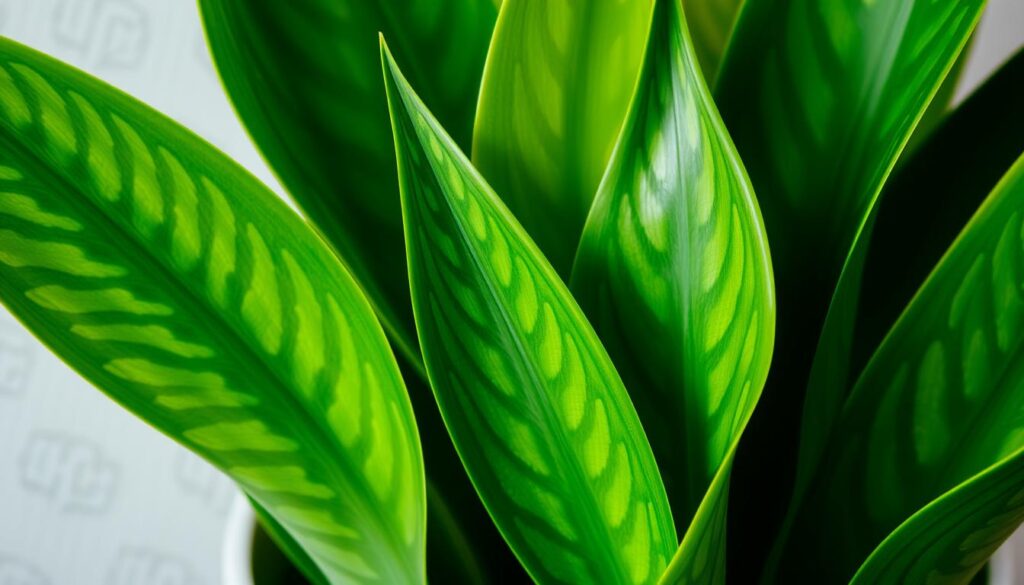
[304, 76]
[536, 410]
[939, 402]
[557, 84]
[937, 191]
[820, 96]
[951, 539]
[188, 292]
[673, 270]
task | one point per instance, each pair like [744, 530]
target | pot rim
[236, 552]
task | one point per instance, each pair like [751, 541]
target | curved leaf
[189, 293]
[939, 402]
[937, 190]
[673, 269]
[820, 97]
[557, 83]
[304, 77]
[950, 540]
[530, 397]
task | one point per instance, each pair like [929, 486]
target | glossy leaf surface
[673, 269]
[938, 190]
[820, 97]
[939, 402]
[557, 83]
[533, 404]
[188, 292]
[304, 77]
[951, 539]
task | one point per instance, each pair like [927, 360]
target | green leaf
[291, 548]
[950, 540]
[533, 404]
[820, 97]
[304, 77]
[710, 23]
[939, 402]
[937, 190]
[673, 270]
[188, 292]
[557, 83]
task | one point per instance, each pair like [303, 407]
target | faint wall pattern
[109, 33]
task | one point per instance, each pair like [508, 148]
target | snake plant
[586, 292]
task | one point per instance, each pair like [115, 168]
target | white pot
[236, 559]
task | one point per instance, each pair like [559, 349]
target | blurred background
[88, 494]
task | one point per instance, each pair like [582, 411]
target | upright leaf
[536, 410]
[304, 78]
[939, 402]
[937, 190]
[188, 292]
[820, 97]
[557, 83]
[673, 269]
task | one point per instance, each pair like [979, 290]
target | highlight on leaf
[673, 270]
[188, 292]
[556, 86]
[938, 403]
[532, 401]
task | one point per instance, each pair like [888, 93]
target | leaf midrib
[561, 453]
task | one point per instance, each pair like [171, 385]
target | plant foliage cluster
[526, 330]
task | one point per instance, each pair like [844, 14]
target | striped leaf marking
[557, 83]
[940, 400]
[673, 269]
[533, 404]
[820, 96]
[190, 294]
[829, 92]
[305, 80]
[952, 538]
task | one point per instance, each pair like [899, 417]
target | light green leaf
[533, 404]
[189, 293]
[710, 23]
[304, 77]
[673, 270]
[820, 97]
[939, 402]
[557, 83]
[953, 537]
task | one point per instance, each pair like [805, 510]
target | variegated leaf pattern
[531, 399]
[950, 540]
[939, 402]
[304, 77]
[189, 293]
[710, 23]
[556, 86]
[673, 269]
[820, 96]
